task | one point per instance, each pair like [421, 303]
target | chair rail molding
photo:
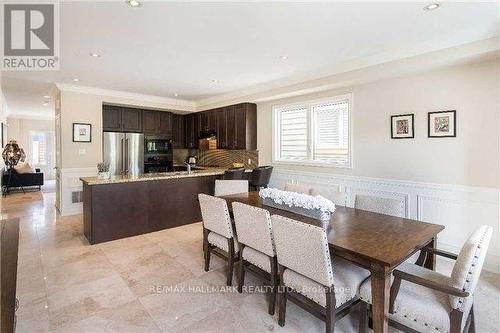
[460, 208]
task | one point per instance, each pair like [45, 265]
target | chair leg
[472, 325]
[456, 317]
[230, 261]
[241, 275]
[273, 284]
[394, 293]
[363, 317]
[330, 310]
[206, 249]
[282, 300]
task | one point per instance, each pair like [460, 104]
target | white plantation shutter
[331, 132]
[316, 133]
[293, 134]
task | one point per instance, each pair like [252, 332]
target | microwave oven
[154, 145]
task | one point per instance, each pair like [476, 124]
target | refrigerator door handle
[126, 156]
[123, 158]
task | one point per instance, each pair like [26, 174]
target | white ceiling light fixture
[215, 81]
[76, 79]
[432, 6]
[134, 3]
[46, 96]
[176, 94]
[45, 103]
[94, 55]
[284, 57]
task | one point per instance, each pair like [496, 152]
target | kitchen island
[131, 205]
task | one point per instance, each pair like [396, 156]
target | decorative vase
[322, 216]
[103, 175]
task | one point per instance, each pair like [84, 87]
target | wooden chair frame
[329, 314]
[456, 316]
[230, 256]
[272, 277]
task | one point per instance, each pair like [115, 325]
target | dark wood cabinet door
[203, 121]
[240, 124]
[164, 123]
[221, 128]
[212, 121]
[178, 131]
[111, 118]
[230, 127]
[191, 131]
[131, 120]
[149, 122]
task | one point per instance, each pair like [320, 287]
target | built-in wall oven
[158, 154]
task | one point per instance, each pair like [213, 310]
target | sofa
[21, 179]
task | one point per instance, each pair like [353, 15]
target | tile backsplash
[219, 157]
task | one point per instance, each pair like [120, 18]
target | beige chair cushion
[221, 241]
[299, 188]
[380, 205]
[228, 187]
[418, 307]
[23, 167]
[469, 264]
[347, 279]
[257, 258]
[215, 215]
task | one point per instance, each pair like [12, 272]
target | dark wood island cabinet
[129, 206]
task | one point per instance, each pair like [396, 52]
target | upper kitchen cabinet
[207, 121]
[191, 130]
[157, 123]
[121, 119]
[177, 131]
[222, 128]
[241, 126]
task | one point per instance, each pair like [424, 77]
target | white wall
[449, 181]
[19, 130]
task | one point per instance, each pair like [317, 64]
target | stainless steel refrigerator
[124, 152]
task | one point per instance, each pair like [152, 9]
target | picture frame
[442, 124]
[403, 126]
[82, 132]
[2, 134]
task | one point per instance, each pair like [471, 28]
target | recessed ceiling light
[45, 103]
[284, 57]
[176, 94]
[432, 6]
[134, 3]
[94, 55]
[46, 96]
[76, 79]
[215, 81]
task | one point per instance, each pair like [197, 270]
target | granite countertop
[153, 176]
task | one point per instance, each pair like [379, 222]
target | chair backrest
[299, 188]
[234, 174]
[469, 264]
[388, 206]
[215, 215]
[227, 187]
[254, 229]
[261, 175]
[339, 198]
[303, 248]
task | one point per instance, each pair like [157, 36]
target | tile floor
[66, 285]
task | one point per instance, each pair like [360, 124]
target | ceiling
[163, 49]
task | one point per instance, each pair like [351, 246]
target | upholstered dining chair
[218, 234]
[299, 188]
[422, 300]
[234, 174]
[388, 206]
[333, 194]
[308, 274]
[255, 237]
[227, 187]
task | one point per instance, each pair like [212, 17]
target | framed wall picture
[82, 132]
[402, 126]
[442, 124]
[2, 132]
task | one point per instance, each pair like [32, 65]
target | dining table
[375, 241]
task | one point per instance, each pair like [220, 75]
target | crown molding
[179, 104]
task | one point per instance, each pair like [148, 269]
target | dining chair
[261, 176]
[299, 188]
[255, 239]
[234, 174]
[388, 206]
[339, 198]
[308, 275]
[218, 234]
[227, 187]
[422, 300]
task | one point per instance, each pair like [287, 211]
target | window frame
[308, 104]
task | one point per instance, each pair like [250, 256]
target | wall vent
[76, 196]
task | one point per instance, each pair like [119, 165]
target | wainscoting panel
[461, 209]
[70, 183]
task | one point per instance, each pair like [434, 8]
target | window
[38, 142]
[314, 132]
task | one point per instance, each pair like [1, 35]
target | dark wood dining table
[371, 240]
